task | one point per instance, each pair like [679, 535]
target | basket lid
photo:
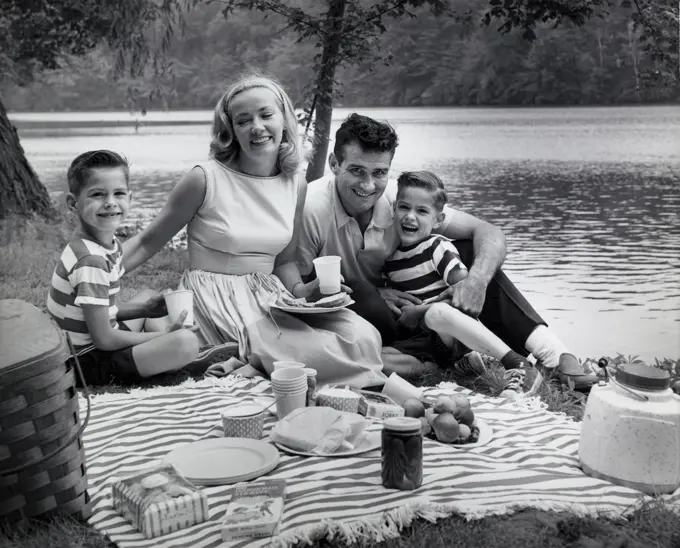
[26, 335]
[644, 377]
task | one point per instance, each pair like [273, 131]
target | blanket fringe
[213, 384]
[390, 524]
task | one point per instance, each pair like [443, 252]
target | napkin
[320, 430]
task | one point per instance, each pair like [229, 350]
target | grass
[29, 249]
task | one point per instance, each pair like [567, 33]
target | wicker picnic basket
[42, 462]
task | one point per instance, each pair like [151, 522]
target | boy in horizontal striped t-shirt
[83, 297]
[425, 264]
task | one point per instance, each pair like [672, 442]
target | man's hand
[154, 307]
[396, 299]
[310, 291]
[411, 315]
[467, 296]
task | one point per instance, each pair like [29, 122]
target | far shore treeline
[429, 61]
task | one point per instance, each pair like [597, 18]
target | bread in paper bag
[319, 430]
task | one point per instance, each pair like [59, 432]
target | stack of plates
[223, 461]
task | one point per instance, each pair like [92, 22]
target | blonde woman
[242, 209]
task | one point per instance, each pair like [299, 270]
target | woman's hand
[310, 291]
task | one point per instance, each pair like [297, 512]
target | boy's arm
[105, 337]
[448, 263]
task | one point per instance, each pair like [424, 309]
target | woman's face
[258, 124]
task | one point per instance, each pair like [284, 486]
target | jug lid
[645, 377]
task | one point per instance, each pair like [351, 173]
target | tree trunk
[324, 88]
[633, 54]
[21, 192]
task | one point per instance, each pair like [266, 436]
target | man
[349, 214]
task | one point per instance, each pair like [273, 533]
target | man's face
[360, 178]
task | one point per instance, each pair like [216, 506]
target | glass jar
[311, 386]
[402, 453]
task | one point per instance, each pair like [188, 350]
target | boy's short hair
[94, 159]
[371, 135]
[427, 180]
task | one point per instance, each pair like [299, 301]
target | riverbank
[29, 250]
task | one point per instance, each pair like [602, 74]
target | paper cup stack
[338, 398]
[290, 389]
[244, 421]
[285, 364]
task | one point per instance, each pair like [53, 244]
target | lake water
[589, 198]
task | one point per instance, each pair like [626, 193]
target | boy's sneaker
[520, 375]
[471, 364]
[212, 354]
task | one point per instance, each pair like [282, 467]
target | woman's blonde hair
[224, 146]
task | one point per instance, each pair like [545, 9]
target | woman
[242, 209]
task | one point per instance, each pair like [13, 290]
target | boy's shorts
[102, 367]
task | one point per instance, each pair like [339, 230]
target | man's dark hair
[426, 180]
[93, 159]
[369, 134]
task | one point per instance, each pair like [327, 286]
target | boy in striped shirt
[425, 264]
[83, 297]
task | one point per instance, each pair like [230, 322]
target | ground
[28, 252]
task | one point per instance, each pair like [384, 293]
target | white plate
[222, 461]
[371, 442]
[311, 309]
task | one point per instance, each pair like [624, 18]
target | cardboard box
[373, 404]
[255, 510]
[159, 500]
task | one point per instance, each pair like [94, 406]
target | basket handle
[74, 436]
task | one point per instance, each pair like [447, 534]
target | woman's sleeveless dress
[233, 240]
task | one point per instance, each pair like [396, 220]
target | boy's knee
[186, 343]
[436, 313]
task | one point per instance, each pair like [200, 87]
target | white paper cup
[328, 271]
[288, 388]
[177, 301]
[287, 403]
[400, 390]
[284, 364]
[286, 375]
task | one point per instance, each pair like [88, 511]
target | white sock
[545, 346]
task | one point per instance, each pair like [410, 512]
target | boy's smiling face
[103, 203]
[415, 215]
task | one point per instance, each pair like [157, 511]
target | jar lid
[402, 424]
[644, 377]
[310, 372]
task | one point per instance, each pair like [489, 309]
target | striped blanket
[531, 462]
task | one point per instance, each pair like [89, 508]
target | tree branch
[377, 15]
[277, 8]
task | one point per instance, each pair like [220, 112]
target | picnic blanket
[531, 462]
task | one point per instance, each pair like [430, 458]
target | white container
[630, 433]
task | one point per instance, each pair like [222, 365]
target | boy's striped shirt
[423, 268]
[87, 273]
